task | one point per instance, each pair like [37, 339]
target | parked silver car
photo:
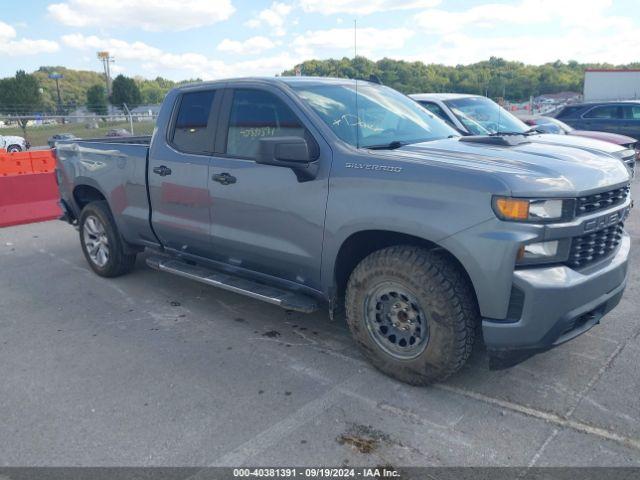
[478, 115]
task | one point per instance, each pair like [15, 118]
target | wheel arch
[84, 194]
[360, 244]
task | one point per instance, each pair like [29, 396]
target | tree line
[28, 94]
[36, 93]
[494, 78]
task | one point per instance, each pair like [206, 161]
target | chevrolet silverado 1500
[316, 193]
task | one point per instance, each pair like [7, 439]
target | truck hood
[604, 136]
[528, 169]
[585, 143]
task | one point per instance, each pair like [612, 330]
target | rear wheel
[102, 245]
[412, 312]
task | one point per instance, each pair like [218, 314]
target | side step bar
[277, 296]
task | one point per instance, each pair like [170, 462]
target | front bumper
[559, 304]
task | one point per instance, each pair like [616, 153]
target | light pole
[57, 76]
[106, 59]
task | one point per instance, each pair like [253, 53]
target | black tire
[14, 148]
[118, 262]
[437, 290]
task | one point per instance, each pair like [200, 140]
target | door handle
[223, 178]
[162, 170]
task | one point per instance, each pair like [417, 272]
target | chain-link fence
[40, 130]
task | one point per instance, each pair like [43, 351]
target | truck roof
[602, 102]
[278, 80]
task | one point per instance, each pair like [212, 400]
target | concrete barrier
[28, 198]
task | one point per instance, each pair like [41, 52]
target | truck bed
[117, 169]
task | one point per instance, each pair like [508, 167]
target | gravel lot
[151, 369]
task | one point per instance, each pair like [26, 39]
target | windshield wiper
[531, 131]
[386, 146]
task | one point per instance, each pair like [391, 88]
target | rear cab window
[193, 131]
[257, 114]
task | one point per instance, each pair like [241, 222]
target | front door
[264, 218]
[179, 174]
[603, 118]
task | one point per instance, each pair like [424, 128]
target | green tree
[73, 87]
[97, 100]
[20, 95]
[151, 92]
[494, 77]
[125, 90]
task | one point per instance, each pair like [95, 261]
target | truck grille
[594, 246]
[602, 200]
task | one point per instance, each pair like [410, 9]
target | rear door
[179, 172]
[264, 218]
[631, 120]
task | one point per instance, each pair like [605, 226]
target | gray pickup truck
[316, 193]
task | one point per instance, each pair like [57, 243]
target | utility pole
[106, 59]
[57, 76]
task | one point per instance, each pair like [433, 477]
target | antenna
[355, 38]
[355, 57]
[499, 116]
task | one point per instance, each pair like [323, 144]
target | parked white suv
[12, 143]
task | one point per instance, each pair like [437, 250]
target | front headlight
[626, 153]
[535, 210]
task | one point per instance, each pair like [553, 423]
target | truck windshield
[481, 116]
[383, 116]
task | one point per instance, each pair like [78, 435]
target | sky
[209, 39]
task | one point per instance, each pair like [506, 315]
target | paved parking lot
[151, 369]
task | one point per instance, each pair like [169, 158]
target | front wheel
[14, 148]
[102, 245]
[412, 313]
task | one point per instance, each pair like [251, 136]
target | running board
[277, 296]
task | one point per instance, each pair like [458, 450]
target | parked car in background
[553, 125]
[478, 115]
[60, 136]
[118, 132]
[13, 143]
[616, 117]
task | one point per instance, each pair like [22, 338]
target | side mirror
[288, 152]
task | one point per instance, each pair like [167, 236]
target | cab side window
[603, 112]
[257, 114]
[192, 132]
